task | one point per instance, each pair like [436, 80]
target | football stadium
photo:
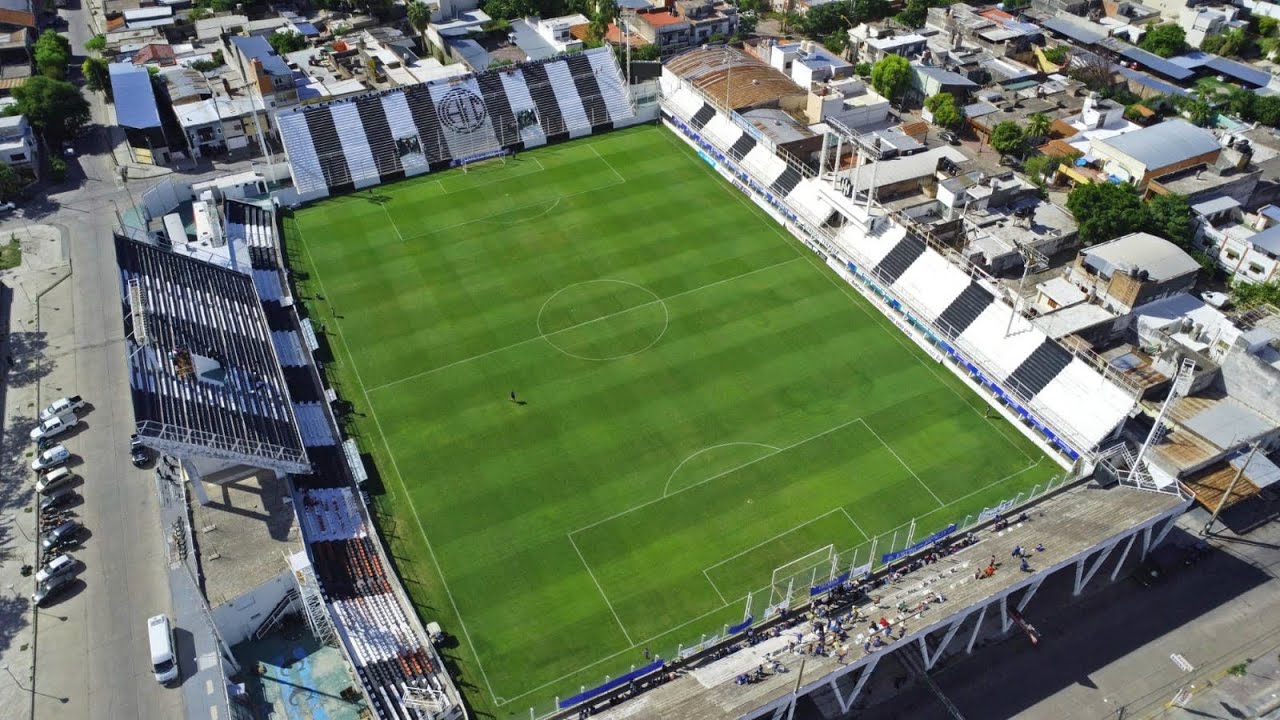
[697, 402]
[589, 399]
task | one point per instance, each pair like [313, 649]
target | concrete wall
[1251, 382]
[238, 618]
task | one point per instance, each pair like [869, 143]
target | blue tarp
[735, 629]
[614, 683]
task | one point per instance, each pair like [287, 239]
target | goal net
[794, 578]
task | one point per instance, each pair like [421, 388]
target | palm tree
[1038, 126]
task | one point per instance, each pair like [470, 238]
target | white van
[160, 636]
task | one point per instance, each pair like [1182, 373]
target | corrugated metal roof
[1163, 145]
[135, 99]
[1148, 81]
[1075, 31]
[1244, 73]
[1157, 63]
[944, 76]
[1161, 259]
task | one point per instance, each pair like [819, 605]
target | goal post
[797, 576]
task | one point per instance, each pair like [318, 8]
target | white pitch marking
[708, 449]
[625, 634]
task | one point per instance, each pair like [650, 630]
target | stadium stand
[203, 370]
[410, 130]
[1064, 398]
[378, 631]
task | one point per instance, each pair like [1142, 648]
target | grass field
[700, 401]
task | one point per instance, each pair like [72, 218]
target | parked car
[51, 588]
[949, 137]
[60, 565]
[54, 426]
[7, 207]
[64, 535]
[62, 406]
[54, 479]
[53, 457]
[139, 453]
[57, 498]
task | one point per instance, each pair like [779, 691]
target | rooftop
[727, 72]
[256, 47]
[244, 533]
[135, 99]
[1138, 252]
[777, 125]
[946, 77]
[1165, 144]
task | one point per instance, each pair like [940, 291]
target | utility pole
[1208, 527]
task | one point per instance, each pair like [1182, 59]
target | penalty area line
[625, 634]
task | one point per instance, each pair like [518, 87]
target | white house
[17, 142]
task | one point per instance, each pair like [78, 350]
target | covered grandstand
[223, 381]
[1065, 399]
[420, 128]
[207, 386]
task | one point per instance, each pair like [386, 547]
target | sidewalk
[37, 337]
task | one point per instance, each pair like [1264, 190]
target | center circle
[603, 319]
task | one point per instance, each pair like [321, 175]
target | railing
[202, 442]
[851, 561]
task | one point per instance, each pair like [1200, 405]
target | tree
[1041, 168]
[1241, 102]
[862, 69]
[1038, 126]
[1246, 294]
[419, 15]
[890, 76]
[198, 13]
[1058, 54]
[97, 43]
[1007, 138]
[914, 12]
[1165, 40]
[606, 11]
[944, 110]
[286, 42]
[1232, 43]
[52, 53]
[1266, 110]
[646, 52]
[1169, 216]
[1105, 211]
[10, 182]
[55, 108]
[96, 75]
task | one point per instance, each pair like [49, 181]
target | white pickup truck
[62, 406]
[54, 426]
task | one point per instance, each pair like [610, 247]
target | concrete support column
[1120, 563]
[977, 627]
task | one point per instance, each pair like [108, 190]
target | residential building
[17, 33]
[216, 125]
[138, 113]
[1150, 152]
[927, 81]
[1134, 270]
[664, 29]
[848, 100]
[17, 142]
[806, 62]
[870, 43]
[708, 18]
[264, 70]
[1201, 22]
[541, 38]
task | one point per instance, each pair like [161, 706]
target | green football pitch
[699, 400]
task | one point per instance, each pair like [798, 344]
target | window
[1255, 268]
[1233, 255]
[18, 157]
